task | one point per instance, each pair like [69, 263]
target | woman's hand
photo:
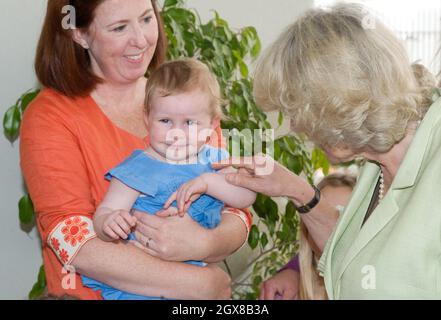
[282, 286]
[262, 174]
[133, 271]
[171, 238]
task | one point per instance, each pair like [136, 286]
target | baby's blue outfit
[156, 181]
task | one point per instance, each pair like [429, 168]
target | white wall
[269, 17]
[20, 22]
[20, 255]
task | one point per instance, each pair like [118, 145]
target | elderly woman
[86, 120]
[348, 85]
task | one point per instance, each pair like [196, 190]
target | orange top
[66, 147]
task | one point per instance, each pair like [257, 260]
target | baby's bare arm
[232, 196]
[112, 219]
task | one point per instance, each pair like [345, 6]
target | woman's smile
[139, 58]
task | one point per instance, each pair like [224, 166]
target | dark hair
[62, 64]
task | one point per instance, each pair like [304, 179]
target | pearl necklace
[381, 187]
[381, 191]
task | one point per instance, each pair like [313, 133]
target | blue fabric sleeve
[134, 172]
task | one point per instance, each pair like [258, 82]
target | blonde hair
[182, 76]
[341, 81]
[426, 80]
[312, 286]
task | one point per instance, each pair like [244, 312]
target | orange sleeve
[56, 178]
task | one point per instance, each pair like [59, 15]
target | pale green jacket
[397, 252]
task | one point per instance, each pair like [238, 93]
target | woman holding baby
[87, 119]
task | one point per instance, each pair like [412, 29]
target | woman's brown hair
[62, 64]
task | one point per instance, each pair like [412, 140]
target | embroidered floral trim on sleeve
[246, 218]
[69, 236]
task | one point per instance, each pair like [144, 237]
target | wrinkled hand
[171, 238]
[282, 286]
[260, 173]
[187, 193]
[118, 224]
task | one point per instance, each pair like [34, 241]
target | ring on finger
[147, 243]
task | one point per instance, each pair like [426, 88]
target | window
[417, 22]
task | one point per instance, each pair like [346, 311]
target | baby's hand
[186, 194]
[169, 212]
[118, 224]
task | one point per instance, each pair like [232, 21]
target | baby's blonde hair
[182, 76]
[312, 286]
[340, 80]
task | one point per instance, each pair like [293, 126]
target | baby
[182, 110]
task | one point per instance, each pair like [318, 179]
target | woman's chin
[132, 73]
[135, 75]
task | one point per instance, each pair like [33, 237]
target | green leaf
[272, 209]
[255, 50]
[36, 292]
[39, 287]
[280, 119]
[41, 276]
[294, 163]
[257, 280]
[250, 32]
[170, 3]
[219, 21]
[253, 238]
[243, 68]
[263, 240]
[27, 98]
[182, 16]
[290, 211]
[271, 225]
[290, 144]
[11, 123]
[26, 210]
[259, 206]
[250, 296]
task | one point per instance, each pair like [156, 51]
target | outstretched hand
[259, 173]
